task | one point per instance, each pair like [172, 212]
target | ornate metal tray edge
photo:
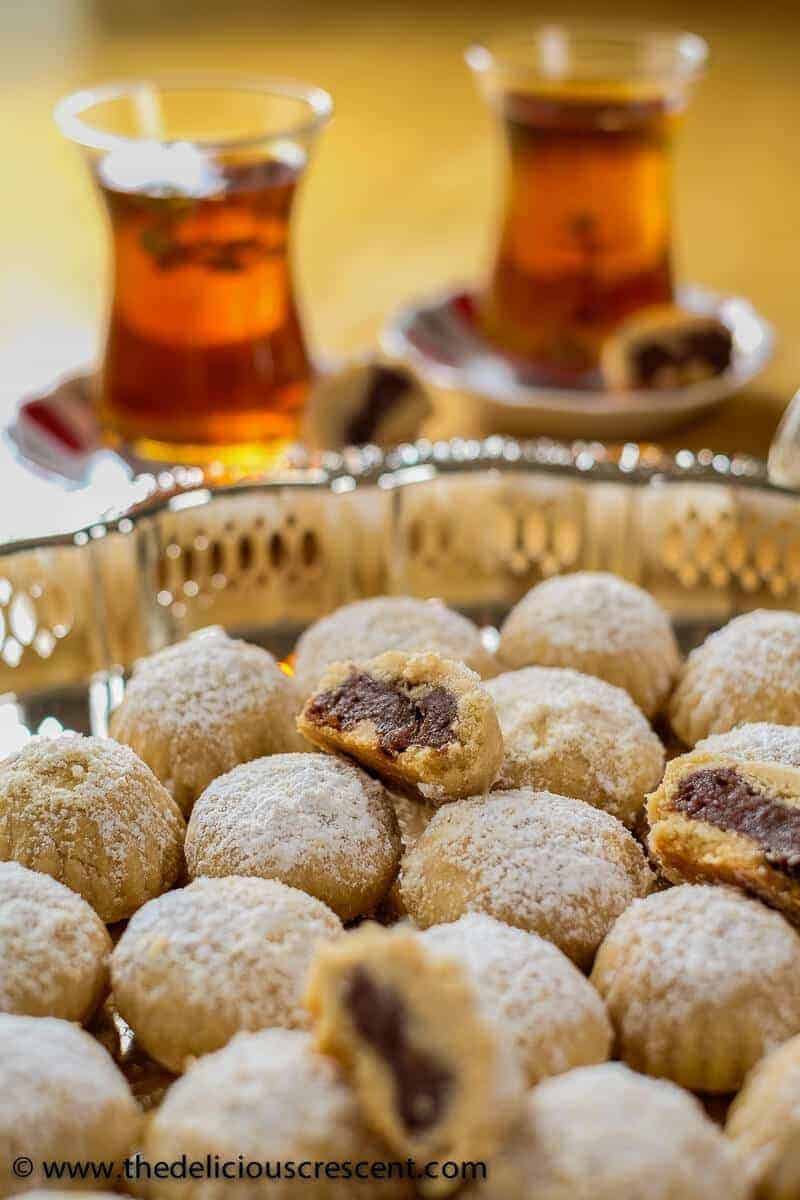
[415, 462]
[474, 522]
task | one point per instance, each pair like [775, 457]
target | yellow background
[402, 193]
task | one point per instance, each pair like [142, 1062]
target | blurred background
[402, 193]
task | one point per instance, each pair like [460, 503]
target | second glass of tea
[205, 358]
[585, 241]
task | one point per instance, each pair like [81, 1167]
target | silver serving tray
[474, 522]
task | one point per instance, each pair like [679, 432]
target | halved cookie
[433, 1077]
[721, 819]
[666, 347]
[413, 719]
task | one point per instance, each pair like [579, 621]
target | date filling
[400, 719]
[422, 1083]
[711, 347]
[723, 798]
[385, 389]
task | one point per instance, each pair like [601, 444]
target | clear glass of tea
[588, 117]
[205, 358]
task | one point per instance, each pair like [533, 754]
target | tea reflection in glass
[205, 356]
[585, 241]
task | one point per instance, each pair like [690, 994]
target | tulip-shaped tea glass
[588, 118]
[205, 357]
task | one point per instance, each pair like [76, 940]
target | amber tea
[204, 342]
[585, 235]
[205, 356]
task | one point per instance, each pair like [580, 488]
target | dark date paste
[712, 347]
[723, 798]
[422, 1083]
[400, 720]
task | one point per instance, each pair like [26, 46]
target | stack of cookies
[377, 925]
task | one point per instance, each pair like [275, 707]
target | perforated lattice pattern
[707, 537]
[36, 612]
[468, 538]
[252, 560]
[285, 557]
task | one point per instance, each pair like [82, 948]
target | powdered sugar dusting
[61, 1096]
[89, 812]
[203, 962]
[747, 671]
[601, 1132]
[269, 1097]
[543, 862]
[577, 735]
[758, 742]
[310, 820]
[53, 947]
[360, 631]
[532, 991]
[698, 963]
[597, 623]
[764, 1121]
[198, 708]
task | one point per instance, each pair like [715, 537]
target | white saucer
[440, 337]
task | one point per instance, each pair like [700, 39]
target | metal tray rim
[185, 487]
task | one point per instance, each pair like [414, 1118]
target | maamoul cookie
[606, 1133]
[759, 741]
[722, 819]
[367, 628]
[764, 1123]
[546, 863]
[61, 1097]
[201, 707]
[700, 983]
[598, 624]
[666, 347]
[434, 1078]
[313, 821]
[269, 1098]
[204, 962]
[374, 402]
[747, 671]
[53, 948]
[576, 735]
[413, 719]
[530, 990]
[88, 812]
